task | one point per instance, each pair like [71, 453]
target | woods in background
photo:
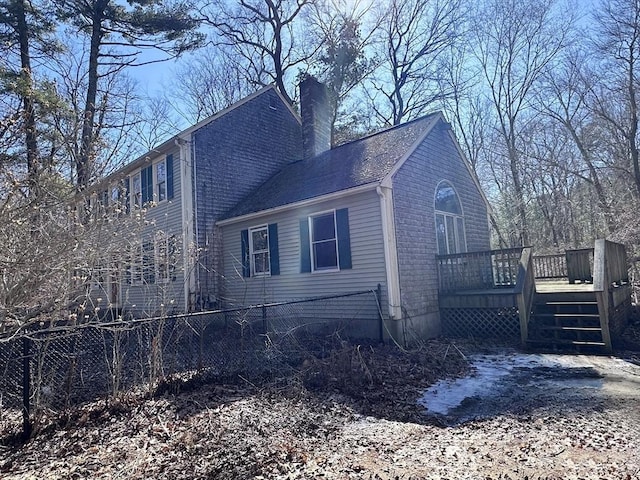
[542, 95]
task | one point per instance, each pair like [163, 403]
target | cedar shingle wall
[414, 185]
[232, 156]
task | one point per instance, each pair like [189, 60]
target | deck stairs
[566, 321]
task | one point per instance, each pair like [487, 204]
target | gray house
[374, 211]
[267, 211]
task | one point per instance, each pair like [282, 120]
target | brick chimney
[316, 117]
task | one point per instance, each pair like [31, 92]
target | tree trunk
[84, 162]
[31, 136]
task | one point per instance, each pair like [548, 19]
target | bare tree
[514, 43]
[617, 40]
[265, 37]
[207, 83]
[116, 35]
[415, 36]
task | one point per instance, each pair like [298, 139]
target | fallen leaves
[349, 415]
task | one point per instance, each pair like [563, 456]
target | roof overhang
[300, 204]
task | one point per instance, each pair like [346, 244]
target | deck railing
[580, 265]
[547, 267]
[478, 270]
[610, 272]
[575, 265]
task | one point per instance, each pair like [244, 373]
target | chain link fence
[59, 367]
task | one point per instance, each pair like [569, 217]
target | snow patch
[493, 373]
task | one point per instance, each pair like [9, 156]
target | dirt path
[526, 417]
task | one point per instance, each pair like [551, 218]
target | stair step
[551, 341]
[575, 329]
[566, 303]
[567, 315]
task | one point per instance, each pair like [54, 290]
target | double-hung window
[324, 242]
[134, 266]
[260, 255]
[259, 250]
[161, 180]
[166, 249]
[136, 190]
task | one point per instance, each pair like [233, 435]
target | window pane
[162, 172]
[161, 180]
[261, 262]
[259, 239]
[148, 262]
[447, 200]
[325, 255]
[323, 228]
[461, 235]
[137, 190]
[441, 235]
[451, 235]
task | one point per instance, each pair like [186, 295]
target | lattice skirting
[620, 318]
[481, 322]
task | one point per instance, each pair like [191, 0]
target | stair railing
[525, 291]
[609, 270]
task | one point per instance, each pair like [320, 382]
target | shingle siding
[414, 185]
[232, 156]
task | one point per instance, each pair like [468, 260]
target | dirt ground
[448, 411]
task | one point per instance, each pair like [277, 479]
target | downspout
[188, 221]
[390, 251]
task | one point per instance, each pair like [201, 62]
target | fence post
[26, 388]
[378, 294]
[264, 319]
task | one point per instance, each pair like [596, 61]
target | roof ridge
[389, 128]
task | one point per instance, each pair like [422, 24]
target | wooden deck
[511, 291]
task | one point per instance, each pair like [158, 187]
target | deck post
[601, 284]
[525, 292]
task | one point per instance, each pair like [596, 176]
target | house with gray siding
[167, 201]
[373, 211]
[258, 208]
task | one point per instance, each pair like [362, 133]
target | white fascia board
[388, 179]
[302, 203]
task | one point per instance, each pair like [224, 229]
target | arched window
[449, 220]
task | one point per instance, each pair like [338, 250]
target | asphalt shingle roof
[353, 164]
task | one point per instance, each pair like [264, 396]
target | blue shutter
[274, 254]
[147, 184]
[344, 240]
[127, 194]
[244, 244]
[305, 248]
[169, 177]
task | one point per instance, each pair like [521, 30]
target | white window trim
[169, 257]
[136, 265]
[252, 266]
[132, 192]
[335, 232]
[156, 183]
[452, 215]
